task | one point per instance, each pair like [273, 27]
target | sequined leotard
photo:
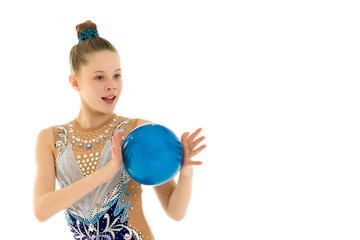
[112, 210]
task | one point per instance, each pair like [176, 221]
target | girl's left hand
[189, 144]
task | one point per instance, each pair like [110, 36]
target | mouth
[109, 100]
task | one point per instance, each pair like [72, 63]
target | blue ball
[152, 154]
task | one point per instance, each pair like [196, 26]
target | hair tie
[88, 34]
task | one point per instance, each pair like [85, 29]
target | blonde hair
[85, 47]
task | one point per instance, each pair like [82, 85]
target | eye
[99, 78]
[117, 76]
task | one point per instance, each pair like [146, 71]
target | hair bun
[80, 28]
[89, 42]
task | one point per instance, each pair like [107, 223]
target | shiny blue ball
[152, 154]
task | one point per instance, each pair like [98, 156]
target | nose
[110, 86]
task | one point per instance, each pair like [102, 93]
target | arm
[175, 198]
[48, 201]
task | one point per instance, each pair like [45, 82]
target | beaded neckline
[88, 136]
[77, 126]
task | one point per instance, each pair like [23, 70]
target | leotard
[112, 210]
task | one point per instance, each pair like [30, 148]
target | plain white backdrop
[274, 85]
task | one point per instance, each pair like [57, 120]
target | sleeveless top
[112, 210]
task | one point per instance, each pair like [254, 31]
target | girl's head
[95, 71]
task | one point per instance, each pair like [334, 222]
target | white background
[274, 85]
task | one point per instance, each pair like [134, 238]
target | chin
[105, 109]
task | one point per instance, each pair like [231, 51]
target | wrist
[187, 171]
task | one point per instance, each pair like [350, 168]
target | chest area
[87, 148]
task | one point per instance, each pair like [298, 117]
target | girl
[100, 200]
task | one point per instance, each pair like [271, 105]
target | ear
[73, 82]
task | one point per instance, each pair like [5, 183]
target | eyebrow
[99, 71]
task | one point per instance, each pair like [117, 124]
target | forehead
[102, 61]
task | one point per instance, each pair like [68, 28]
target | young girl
[100, 200]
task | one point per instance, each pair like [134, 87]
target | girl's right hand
[116, 157]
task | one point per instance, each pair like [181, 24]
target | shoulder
[135, 121]
[44, 141]
[46, 134]
[139, 122]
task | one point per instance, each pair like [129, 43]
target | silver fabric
[95, 204]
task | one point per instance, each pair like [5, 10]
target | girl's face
[99, 82]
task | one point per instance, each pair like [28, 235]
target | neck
[88, 119]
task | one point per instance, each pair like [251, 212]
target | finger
[184, 136]
[196, 142]
[117, 135]
[117, 138]
[113, 138]
[116, 142]
[194, 135]
[196, 163]
[121, 142]
[197, 151]
[114, 146]
[113, 151]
